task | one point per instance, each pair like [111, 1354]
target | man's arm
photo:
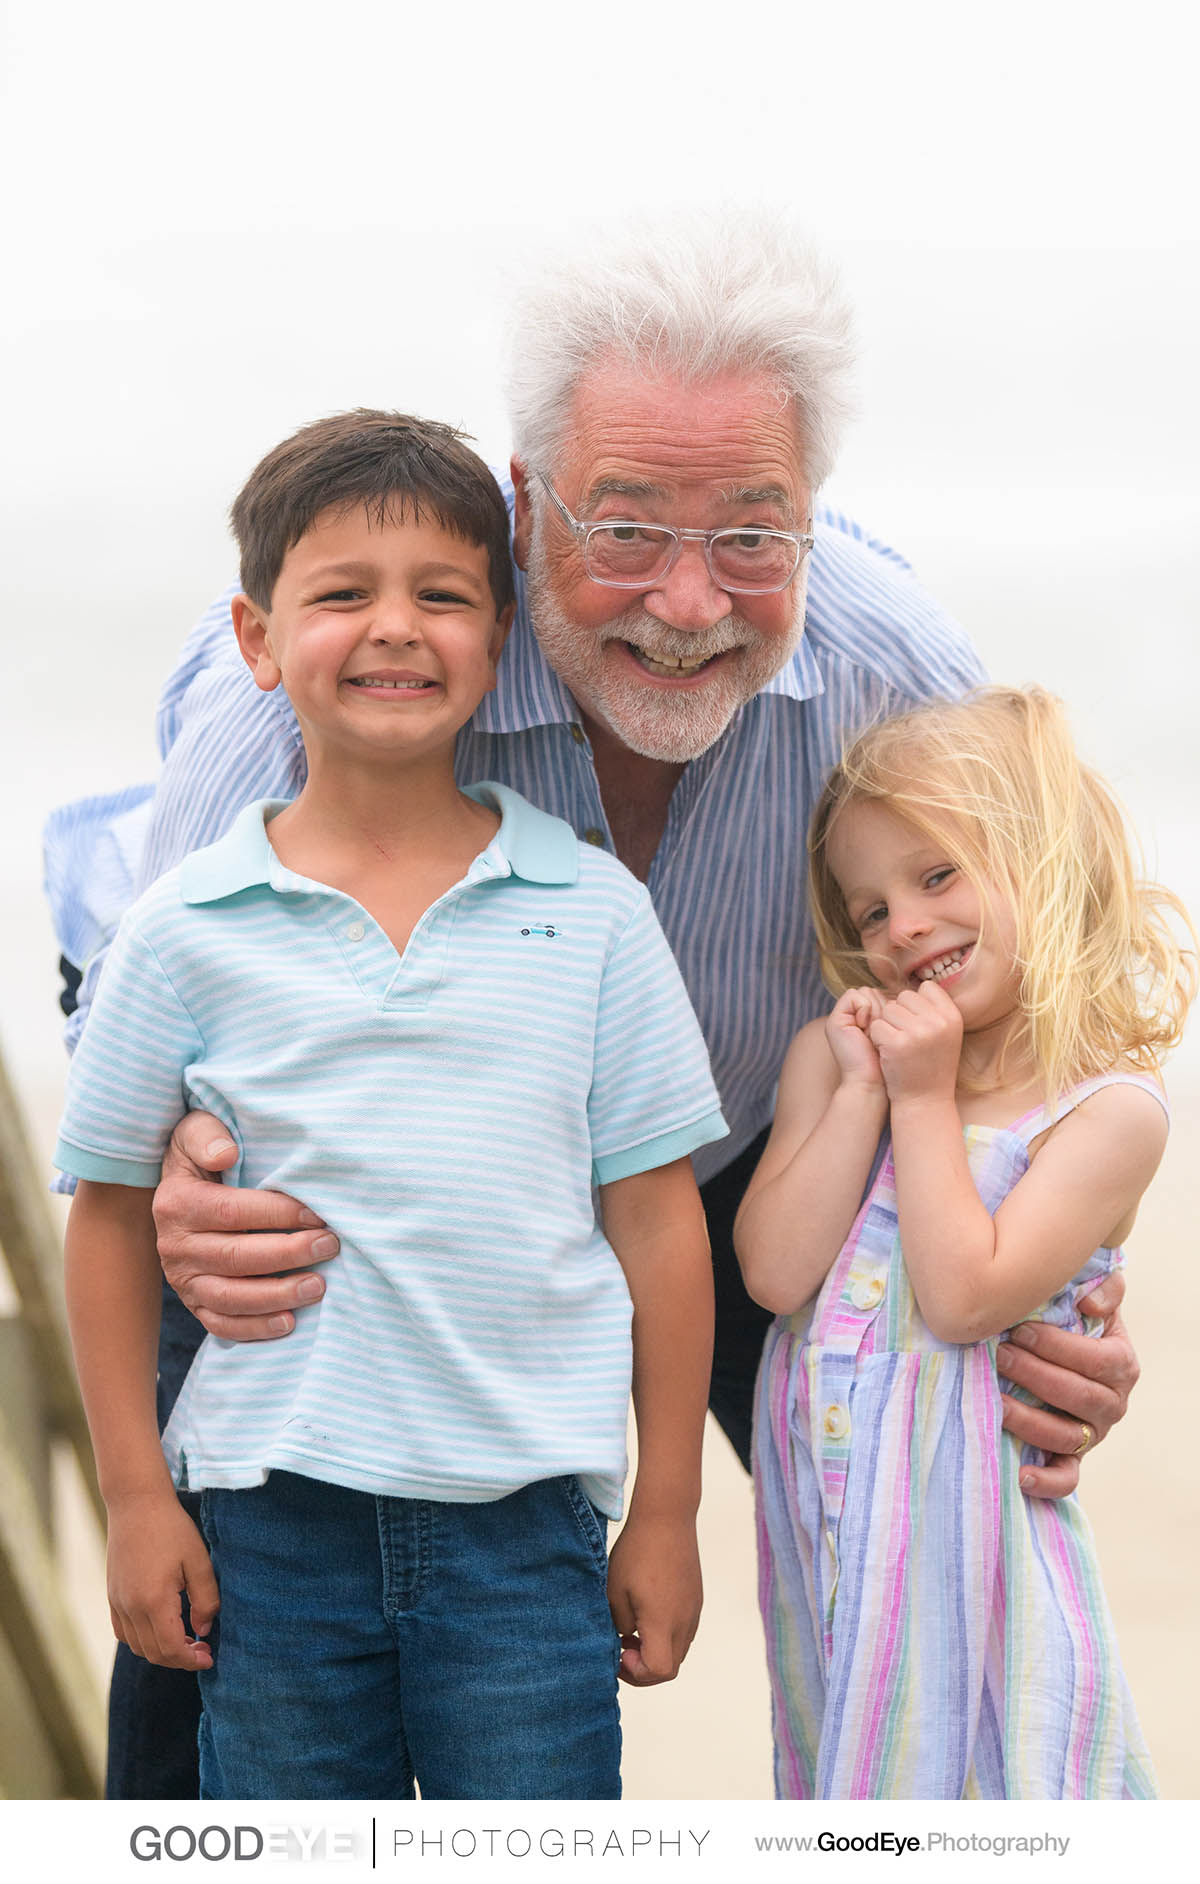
[655, 1223]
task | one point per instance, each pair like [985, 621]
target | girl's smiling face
[918, 918]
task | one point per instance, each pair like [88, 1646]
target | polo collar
[529, 844]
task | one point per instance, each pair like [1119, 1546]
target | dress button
[868, 1292]
[577, 732]
[836, 1421]
[356, 932]
[593, 835]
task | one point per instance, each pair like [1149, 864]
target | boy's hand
[655, 1594]
[846, 1030]
[919, 1040]
[155, 1555]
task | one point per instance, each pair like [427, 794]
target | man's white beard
[650, 720]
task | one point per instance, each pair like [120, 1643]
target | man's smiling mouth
[670, 666]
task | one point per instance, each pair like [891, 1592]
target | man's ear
[522, 514]
[251, 625]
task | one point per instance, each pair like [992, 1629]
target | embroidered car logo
[548, 930]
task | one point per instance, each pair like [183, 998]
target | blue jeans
[365, 1643]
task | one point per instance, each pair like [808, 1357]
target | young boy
[438, 1019]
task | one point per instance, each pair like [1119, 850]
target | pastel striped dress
[931, 1632]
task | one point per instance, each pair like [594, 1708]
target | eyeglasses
[626, 555]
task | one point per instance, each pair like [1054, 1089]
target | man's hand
[1083, 1381]
[236, 1258]
[655, 1594]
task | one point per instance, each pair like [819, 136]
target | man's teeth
[669, 663]
[933, 971]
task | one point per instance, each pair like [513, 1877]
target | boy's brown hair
[396, 466]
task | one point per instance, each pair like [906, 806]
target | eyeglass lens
[746, 559]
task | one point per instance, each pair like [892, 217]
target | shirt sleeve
[126, 1089]
[652, 1098]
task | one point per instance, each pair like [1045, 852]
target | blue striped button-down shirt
[728, 879]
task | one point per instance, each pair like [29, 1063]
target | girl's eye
[871, 918]
[937, 877]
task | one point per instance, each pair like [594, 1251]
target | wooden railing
[51, 1710]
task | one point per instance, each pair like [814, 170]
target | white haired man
[675, 407]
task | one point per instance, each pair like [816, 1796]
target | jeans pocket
[593, 1525]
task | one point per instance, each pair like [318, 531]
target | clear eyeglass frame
[800, 540]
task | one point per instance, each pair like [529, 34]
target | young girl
[961, 1145]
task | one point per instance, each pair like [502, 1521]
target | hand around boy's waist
[655, 1595]
[236, 1258]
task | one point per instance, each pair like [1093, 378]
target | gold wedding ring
[1085, 1442]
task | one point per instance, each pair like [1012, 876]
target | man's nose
[687, 596]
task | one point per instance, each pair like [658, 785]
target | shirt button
[836, 1421]
[356, 932]
[577, 732]
[594, 835]
[868, 1293]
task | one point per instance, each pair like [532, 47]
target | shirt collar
[529, 844]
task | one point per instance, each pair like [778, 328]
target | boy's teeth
[932, 971]
[410, 685]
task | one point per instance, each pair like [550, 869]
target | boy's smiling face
[384, 635]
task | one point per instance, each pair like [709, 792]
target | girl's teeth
[933, 971]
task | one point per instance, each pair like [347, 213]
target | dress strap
[1041, 1118]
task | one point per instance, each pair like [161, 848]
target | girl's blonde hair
[995, 778]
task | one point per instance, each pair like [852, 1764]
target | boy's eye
[444, 595]
[341, 595]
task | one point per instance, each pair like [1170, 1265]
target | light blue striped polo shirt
[446, 1111]
[728, 881]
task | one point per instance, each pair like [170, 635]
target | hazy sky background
[224, 221]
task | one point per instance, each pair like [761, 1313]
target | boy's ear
[499, 636]
[522, 519]
[252, 628]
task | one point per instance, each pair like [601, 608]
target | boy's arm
[155, 1552]
[805, 1194]
[655, 1223]
[974, 1274]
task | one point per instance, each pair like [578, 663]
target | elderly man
[693, 643]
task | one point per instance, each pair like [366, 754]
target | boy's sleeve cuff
[663, 1149]
[100, 1169]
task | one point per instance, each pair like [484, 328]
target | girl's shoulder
[1130, 1092]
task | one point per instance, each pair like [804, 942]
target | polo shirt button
[577, 732]
[356, 932]
[594, 835]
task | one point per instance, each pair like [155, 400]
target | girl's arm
[974, 1274]
[155, 1552]
[805, 1194]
